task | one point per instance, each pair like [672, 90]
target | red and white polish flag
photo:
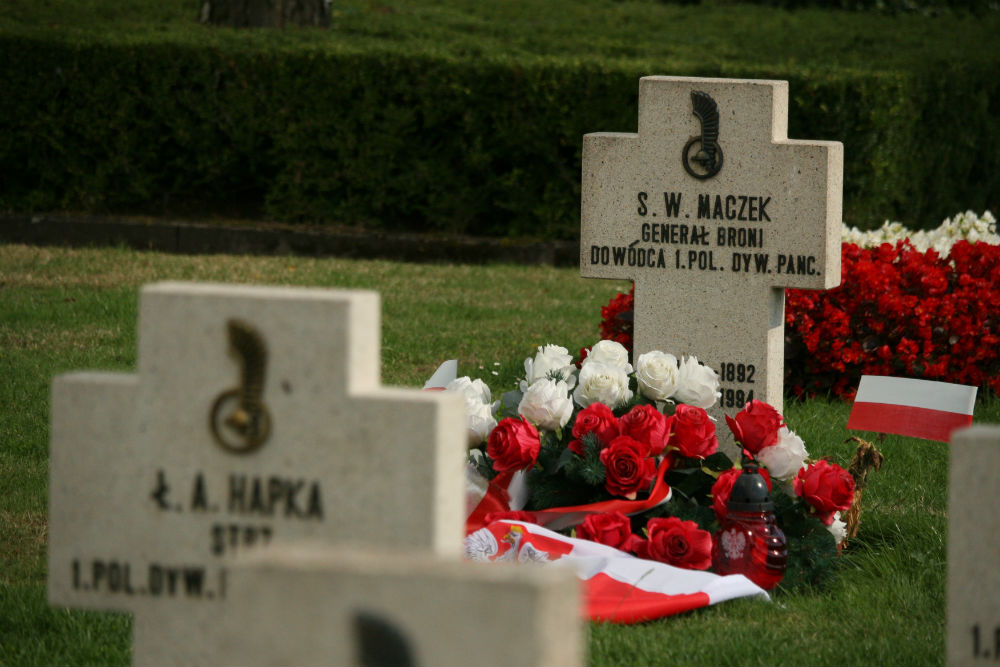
[915, 408]
[617, 587]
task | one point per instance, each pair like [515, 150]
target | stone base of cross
[712, 211]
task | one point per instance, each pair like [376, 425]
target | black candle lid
[750, 493]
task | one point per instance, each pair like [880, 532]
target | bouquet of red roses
[628, 456]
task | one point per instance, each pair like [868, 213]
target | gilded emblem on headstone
[239, 419]
[706, 161]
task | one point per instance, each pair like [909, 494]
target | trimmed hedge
[487, 147]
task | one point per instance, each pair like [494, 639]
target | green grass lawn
[63, 310]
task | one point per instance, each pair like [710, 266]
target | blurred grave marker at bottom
[307, 605]
[973, 630]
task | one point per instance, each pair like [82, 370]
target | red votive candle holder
[750, 542]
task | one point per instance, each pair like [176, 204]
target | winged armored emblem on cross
[239, 419]
[707, 160]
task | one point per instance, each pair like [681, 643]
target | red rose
[756, 426]
[723, 487]
[513, 445]
[694, 432]
[611, 528]
[628, 468]
[827, 488]
[678, 543]
[647, 424]
[596, 418]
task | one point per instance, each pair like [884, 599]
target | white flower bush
[968, 226]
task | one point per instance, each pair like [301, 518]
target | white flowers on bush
[657, 374]
[968, 226]
[611, 353]
[478, 407]
[697, 384]
[549, 361]
[547, 404]
[784, 458]
[602, 383]
[838, 528]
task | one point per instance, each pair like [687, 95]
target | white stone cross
[712, 211]
[973, 614]
[303, 606]
[256, 418]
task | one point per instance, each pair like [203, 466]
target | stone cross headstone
[973, 634]
[301, 606]
[256, 417]
[712, 211]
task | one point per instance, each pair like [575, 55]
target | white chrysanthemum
[550, 361]
[785, 457]
[697, 384]
[601, 383]
[611, 353]
[657, 374]
[547, 404]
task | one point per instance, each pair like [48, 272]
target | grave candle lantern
[750, 542]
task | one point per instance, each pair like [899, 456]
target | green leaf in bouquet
[718, 462]
[812, 558]
[509, 401]
[685, 509]
[484, 464]
[587, 469]
[555, 491]
[690, 483]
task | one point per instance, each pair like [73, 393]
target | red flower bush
[897, 312]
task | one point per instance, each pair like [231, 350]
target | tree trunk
[265, 13]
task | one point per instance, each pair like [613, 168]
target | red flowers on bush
[596, 418]
[897, 312]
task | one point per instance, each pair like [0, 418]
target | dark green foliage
[812, 549]
[432, 140]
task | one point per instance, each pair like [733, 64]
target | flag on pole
[916, 408]
[618, 587]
